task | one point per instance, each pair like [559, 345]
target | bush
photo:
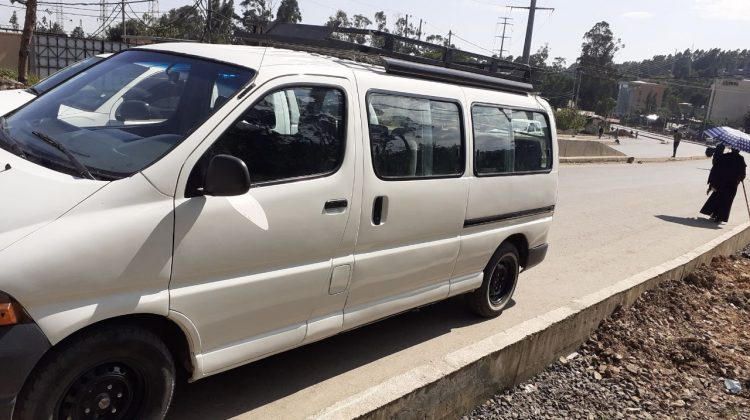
[569, 119]
[13, 75]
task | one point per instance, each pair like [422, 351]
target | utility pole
[124, 30]
[578, 86]
[209, 15]
[406, 26]
[530, 27]
[419, 32]
[450, 34]
[503, 37]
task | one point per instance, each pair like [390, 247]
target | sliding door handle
[336, 205]
[377, 210]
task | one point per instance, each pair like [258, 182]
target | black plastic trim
[457, 77]
[536, 255]
[507, 216]
[21, 347]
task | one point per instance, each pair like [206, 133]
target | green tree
[133, 27]
[256, 14]
[569, 119]
[598, 73]
[340, 19]
[49, 27]
[221, 25]
[381, 21]
[185, 22]
[78, 32]
[14, 20]
[288, 12]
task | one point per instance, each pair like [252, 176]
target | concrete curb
[623, 159]
[453, 385]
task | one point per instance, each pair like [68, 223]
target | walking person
[617, 138]
[601, 131]
[718, 151]
[724, 178]
[677, 139]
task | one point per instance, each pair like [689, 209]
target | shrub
[569, 119]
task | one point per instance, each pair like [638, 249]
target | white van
[246, 201]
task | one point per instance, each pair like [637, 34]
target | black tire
[500, 279]
[121, 368]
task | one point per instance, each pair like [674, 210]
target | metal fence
[51, 52]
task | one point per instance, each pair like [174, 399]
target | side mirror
[226, 176]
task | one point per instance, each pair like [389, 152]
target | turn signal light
[9, 314]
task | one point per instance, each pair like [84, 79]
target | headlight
[11, 312]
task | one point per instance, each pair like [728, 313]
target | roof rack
[399, 55]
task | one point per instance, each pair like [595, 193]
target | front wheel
[500, 278]
[115, 373]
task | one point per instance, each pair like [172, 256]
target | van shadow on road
[700, 222]
[246, 388]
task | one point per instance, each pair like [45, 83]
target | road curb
[451, 386]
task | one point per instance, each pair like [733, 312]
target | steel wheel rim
[109, 391]
[502, 281]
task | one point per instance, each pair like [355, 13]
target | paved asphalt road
[612, 221]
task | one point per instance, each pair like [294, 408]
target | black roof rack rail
[399, 55]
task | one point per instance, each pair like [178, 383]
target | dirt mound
[674, 354]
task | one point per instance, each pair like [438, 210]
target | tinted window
[507, 141]
[414, 137]
[291, 133]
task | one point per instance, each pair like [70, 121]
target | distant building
[730, 100]
[633, 97]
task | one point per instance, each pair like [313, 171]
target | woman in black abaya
[725, 176]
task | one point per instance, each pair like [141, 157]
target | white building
[730, 100]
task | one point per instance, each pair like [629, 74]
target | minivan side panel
[505, 205]
[407, 259]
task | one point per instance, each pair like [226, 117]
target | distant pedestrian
[601, 131]
[636, 134]
[617, 138]
[677, 138]
[723, 180]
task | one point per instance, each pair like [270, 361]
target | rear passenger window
[508, 141]
[414, 138]
[291, 133]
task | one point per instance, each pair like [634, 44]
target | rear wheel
[115, 373]
[500, 279]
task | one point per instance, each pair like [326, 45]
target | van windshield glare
[124, 114]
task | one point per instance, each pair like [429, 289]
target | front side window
[412, 137]
[293, 133]
[120, 116]
[510, 141]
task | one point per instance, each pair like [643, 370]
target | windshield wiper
[14, 146]
[82, 169]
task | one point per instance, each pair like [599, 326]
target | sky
[645, 27]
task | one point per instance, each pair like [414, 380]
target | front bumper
[536, 255]
[21, 347]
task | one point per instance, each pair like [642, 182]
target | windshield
[122, 115]
[65, 74]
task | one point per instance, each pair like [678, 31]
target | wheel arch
[519, 241]
[170, 332]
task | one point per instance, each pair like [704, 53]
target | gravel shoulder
[674, 354]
